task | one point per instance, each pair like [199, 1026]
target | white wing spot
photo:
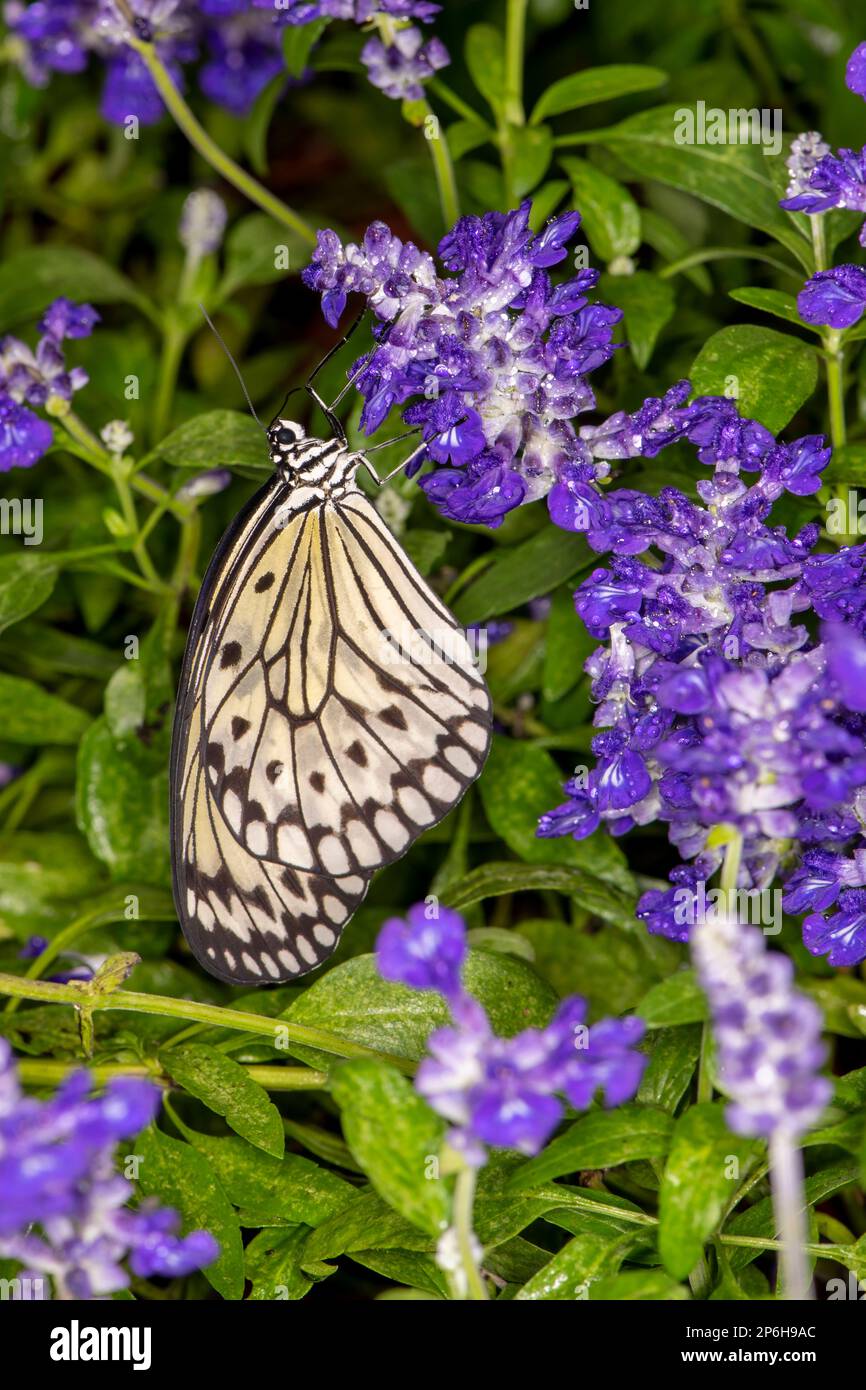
[332, 855]
[257, 838]
[461, 760]
[439, 784]
[392, 831]
[251, 964]
[324, 935]
[307, 950]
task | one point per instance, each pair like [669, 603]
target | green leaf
[273, 1191]
[354, 1002]
[774, 373]
[610, 216]
[595, 84]
[366, 1223]
[591, 894]
[531, 149]
[394, 1135]
[566, 648]
[227, 1089]
[705, 1166]
[122, 808]
[216, 439]
[613, 969]
[776, 302]
[272, 1261]
[28, 714]
[735, 178]
[485, 58]
[638, 1285]
[648, 305]
[255, 250]
[523, 572]
[576, 1267]
[672, 244]
[675, 1001]
[184, 1179]
[673, 1058]
[31, 279]
[298, 43]
[759, 1219]
[519, 783]
[602, 1139]
[424, 548]
[26, 581]
[409, 1267]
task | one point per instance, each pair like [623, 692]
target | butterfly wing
[339, 729]
[247, 921]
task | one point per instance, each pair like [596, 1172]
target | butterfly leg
[394, 471]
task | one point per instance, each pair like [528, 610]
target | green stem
[173, 343]
[207, 146]
[834, 351]
[437, 88]
[515, 42]
[724, 254]
[464, 1199]
[39, 1072]
[443, 168]
[280, 1030]
[731, 867]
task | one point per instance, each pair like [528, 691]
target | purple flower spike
[64, 1216]
[503, 1092]
[490, 361]
[768, 1034]
[833, 298]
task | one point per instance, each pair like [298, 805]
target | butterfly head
[284, 436]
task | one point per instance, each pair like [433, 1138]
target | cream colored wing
[346, 717]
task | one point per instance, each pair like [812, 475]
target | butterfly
[329, 711]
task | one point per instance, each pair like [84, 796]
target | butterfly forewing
[330, 710]
[359, 719]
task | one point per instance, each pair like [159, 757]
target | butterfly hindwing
[247, 921]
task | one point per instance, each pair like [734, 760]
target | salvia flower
[855, 71]
[768, 1033]
[503, 1092]
[836, 181]
[202, 223]
[400, 67]
[833, 298]
[806, 152]
[715, 704]
[64, 1213]
[490, 361]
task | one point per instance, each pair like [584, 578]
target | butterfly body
[329, 712]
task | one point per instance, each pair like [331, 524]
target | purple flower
[834, 298]
[244, 55]
[840, 937]
[401, 67]
[855, 71]
[504, 1092]
[846, 662]
[425, 952]
[807, 150]
[63, 1207]
[490, 361]
[40, 377]
[767, 1033]
[24, 438]
[63, 319]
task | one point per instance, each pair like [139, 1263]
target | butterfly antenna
[224, 345]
